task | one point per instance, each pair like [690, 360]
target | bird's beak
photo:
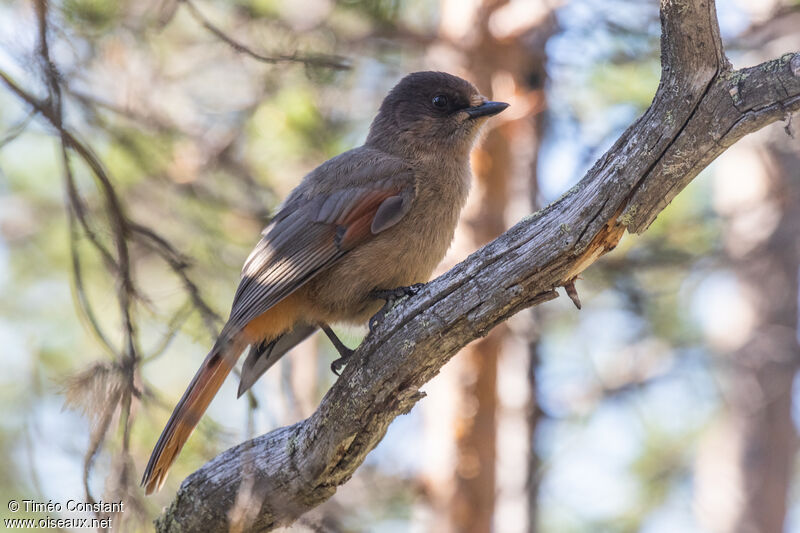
[486, 109]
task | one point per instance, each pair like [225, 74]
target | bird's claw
[374, 319]
[338, 365]
[391, 296]
[344, 351]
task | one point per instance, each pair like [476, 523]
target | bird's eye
[439, 101]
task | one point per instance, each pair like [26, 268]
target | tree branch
[701, 108]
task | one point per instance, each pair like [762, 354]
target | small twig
[17, 129]
[81, 298]
[178, 262]
[91, 102]
[174, 326]
[572, 292]
[312, 60]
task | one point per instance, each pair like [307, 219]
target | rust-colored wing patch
[358, 222]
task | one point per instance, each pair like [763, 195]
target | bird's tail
[190, 409]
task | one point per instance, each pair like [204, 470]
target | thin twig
[17, 129]
[80, 296]
[89, 102]
[311, 60]
[174, 326]
[179, 263]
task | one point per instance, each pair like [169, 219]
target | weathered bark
[701, 108]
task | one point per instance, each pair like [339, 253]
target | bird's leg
[344, 351]
[391, 296]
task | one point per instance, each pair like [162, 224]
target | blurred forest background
[667, 404]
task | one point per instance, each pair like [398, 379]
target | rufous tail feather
[190, 409]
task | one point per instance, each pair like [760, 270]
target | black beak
[486, 109]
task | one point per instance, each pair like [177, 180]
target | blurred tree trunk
[745, 469]
[534, 417]
[506, 60]
[750, 452]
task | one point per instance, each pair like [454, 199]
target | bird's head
[431, 111]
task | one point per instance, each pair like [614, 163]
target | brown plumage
[374, 218]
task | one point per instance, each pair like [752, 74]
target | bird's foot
[338, 364]
[391, 296]
[344, 351]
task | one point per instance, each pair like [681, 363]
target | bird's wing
[311, 233]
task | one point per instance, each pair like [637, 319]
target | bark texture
[701, 108]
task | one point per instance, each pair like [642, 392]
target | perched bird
[363, 227]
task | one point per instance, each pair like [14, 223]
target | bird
[361, 230]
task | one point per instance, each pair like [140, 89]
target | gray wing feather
[273, 272]
[389, 213]
[330, 207]
[262, 357]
